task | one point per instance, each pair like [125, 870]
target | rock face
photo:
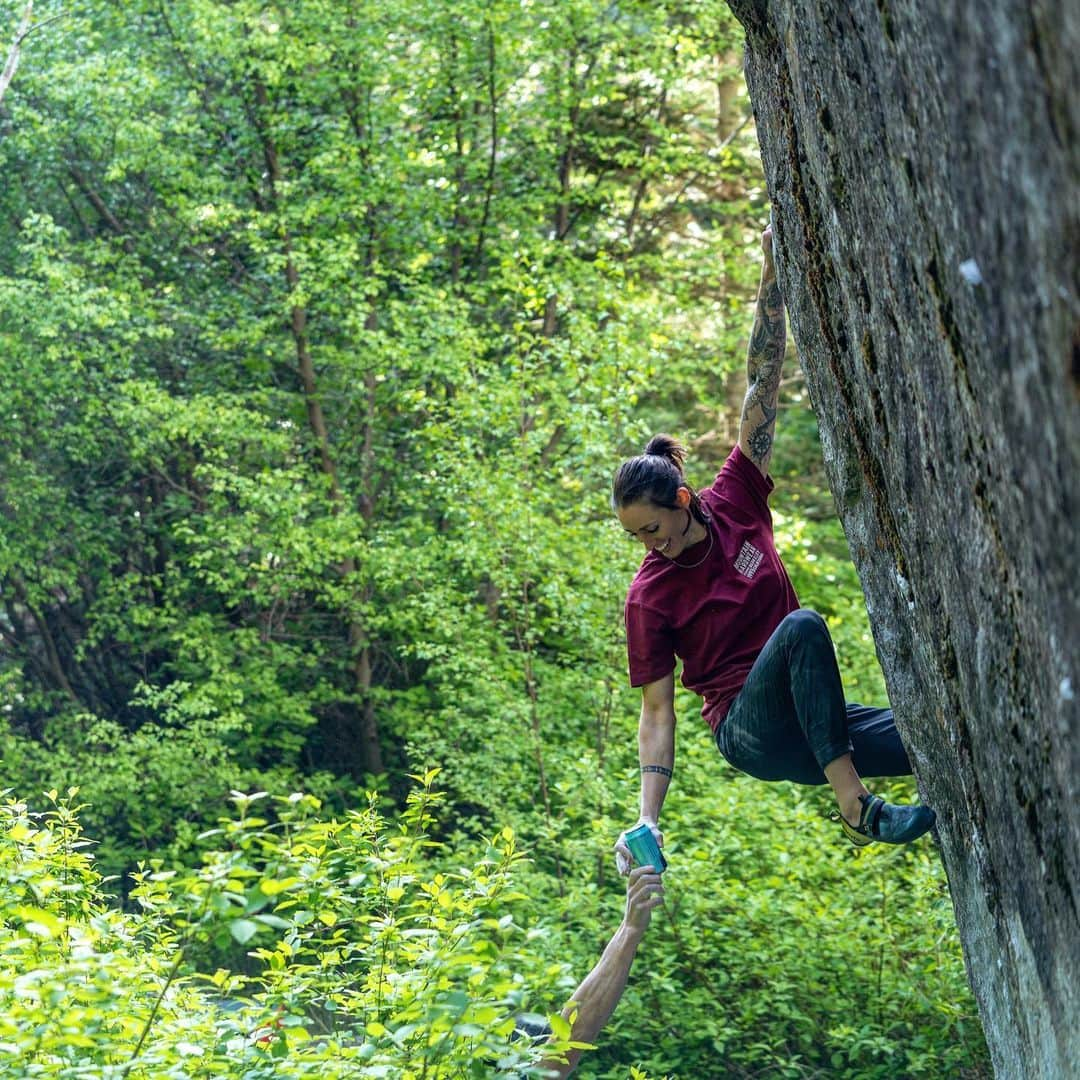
[924, 165]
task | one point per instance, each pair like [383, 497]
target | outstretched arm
[656, 750]
[764, 362]
[595, 999]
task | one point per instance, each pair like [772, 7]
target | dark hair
[655, 476]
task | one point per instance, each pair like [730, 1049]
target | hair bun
[665, 446]
[655, 476]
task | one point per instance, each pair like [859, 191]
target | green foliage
[336, 325]
[368, 960]
[363, 947]
[182, 774]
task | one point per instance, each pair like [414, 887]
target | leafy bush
[363, 947]
[368, 962]
[183, 773]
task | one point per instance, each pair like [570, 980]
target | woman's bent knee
[803, 623]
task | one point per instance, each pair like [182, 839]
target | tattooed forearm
[767, 338]
[760, 442]
[764, 364]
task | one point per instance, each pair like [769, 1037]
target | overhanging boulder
[923, 164]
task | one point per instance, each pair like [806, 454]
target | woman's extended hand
[623, 859]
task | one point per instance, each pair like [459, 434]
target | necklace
[708, 552]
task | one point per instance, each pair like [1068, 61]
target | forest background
[324, 326]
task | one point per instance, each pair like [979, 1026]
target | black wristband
[662, 769]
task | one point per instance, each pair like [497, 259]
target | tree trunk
[368, 746]
[923, 164]
[11, 65]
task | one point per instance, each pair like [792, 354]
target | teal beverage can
[645, 849]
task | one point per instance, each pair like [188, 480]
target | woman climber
[712, 591]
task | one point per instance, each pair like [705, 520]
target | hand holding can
[644, 849]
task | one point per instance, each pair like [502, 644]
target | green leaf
[275, 921]
[243, 930]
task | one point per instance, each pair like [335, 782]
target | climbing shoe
[885, 822]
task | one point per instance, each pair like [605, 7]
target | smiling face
[665, 531]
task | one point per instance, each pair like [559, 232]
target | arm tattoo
[760, 439]
[767, 338]
[764, 363]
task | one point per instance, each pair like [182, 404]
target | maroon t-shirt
[715, 617]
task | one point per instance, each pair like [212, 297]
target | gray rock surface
[924, 165]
